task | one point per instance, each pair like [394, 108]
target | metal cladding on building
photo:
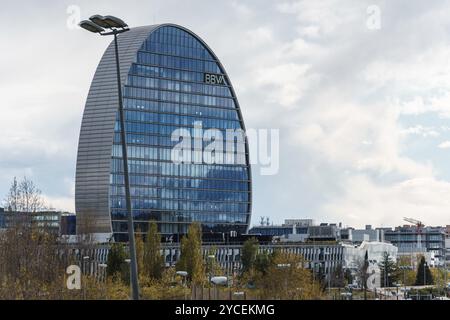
[171, 80]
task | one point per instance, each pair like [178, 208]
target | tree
[31, 200]
[153, 260]
[348, 277]
[338, 277]
[362, 267]
[287, 278]
[12, 199]
[424, 276]
[388, 269]
[191, 254]
[29, 265]
[24, 196]
[249, 253]
[440, 277]
[262, 262]
[407, 274]
[140, 251]
[116, 265]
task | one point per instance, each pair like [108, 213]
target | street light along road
[99, 24]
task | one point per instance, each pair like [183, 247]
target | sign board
[212, 78]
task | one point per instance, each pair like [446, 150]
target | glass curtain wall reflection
[166, 90]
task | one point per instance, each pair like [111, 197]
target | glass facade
[165, 90]
[406, 239]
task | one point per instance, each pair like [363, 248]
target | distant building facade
[432, 240]
[68, 224]
[300, 230]
[375, 251]
[54, 222]
[366, 234]
[355, 255]
[447, 245]
[324, 232]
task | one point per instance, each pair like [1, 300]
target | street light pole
[131, 240]
[85, 258]
[210, 258]
[103, 267]
[116, 25]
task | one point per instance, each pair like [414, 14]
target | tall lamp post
[183, 274]
[98, 24]
[211, 258]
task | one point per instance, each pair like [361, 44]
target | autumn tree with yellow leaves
[287, 278]
[191, 259]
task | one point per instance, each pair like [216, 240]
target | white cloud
[242, 10]
[422, 71]
[444, 145]
[421, 131]
[258, 37]
[367, 203]
[287, 82]
[319, 18]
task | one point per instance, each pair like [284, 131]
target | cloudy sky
[360, 91]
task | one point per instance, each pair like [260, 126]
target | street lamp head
[219, 280]
[182, 273]
[114, 22]
[91, 26]
[99, 20]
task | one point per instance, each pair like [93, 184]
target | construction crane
[419, 225]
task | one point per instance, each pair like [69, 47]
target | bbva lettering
[215, 78]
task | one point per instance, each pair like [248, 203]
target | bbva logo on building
[212, 78]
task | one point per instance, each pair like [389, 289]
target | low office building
[300, 230]
[447, 251]
[360, 235]
[323, 257]
[412, 258]
[49, 221]
[299, 222]
[432, 239]
[68, 224]
[325, 232]
[277, 230]
[355, 254]
[447, 245]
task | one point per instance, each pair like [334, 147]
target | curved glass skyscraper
[172, 83]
